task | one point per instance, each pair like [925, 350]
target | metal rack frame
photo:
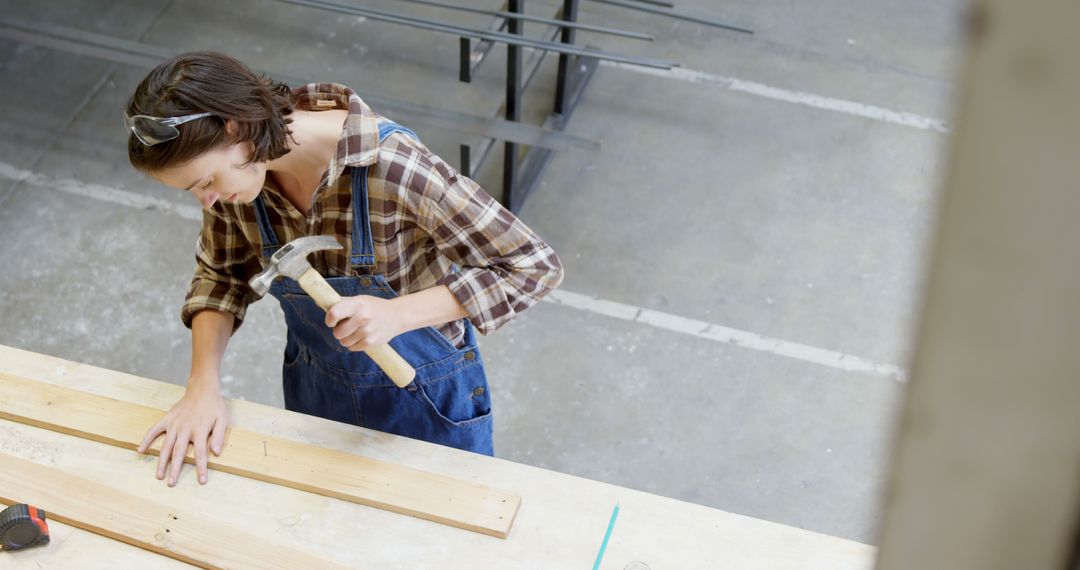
[577, 65]
[575, 71]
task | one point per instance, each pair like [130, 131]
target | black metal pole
[483, 47]
[529, 70]
[465, 56]
[570, 14]
[513, 104]
[465, 168]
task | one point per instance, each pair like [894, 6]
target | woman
[427, 255]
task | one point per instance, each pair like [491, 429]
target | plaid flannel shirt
[425, 218]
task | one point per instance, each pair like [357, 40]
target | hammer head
[291, 261]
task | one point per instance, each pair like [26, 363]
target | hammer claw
[291, 261]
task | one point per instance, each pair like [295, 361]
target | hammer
[291, 261]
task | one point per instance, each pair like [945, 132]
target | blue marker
[607, 536]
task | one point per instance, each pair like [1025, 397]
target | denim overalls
[448, 403]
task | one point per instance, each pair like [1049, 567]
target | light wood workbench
[561, 523]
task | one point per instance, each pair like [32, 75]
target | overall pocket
[460, 399]
[294, 354]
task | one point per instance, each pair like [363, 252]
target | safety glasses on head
[156, 130]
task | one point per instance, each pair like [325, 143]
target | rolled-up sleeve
[224, 261]
[503, 266]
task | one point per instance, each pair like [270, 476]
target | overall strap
[389, 127]
[266, 231]
[362, 256]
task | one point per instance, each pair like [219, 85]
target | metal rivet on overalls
[365, 281]
[478, 392]
[470, 355]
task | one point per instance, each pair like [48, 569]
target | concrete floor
[705, 202]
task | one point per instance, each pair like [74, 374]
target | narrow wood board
[185, 536]
[354, 478]
[562, 528]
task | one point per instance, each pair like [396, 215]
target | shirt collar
[359, 142]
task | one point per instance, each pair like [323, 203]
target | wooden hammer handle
[400, 371]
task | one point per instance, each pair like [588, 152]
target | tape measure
[22, 526]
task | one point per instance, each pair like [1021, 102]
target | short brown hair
[207, 81]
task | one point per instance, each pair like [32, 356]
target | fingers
[355, 332]
[340, 312]
[348, 327]
[200, 456]
[198, 419]
[179, 450]
[361, 339]
[217, 434]
[151, 435]
[163, 456]
[353, 323]
[356, 309]
[174, 449]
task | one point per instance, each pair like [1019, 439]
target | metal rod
[465, 60]
[536, 159]
[538, 19]
[145, 55]
[483, 126]
[533, 65]
[663, 3]
[483, 47]
[580, 74]
[77, 41]
[466, 160]
[509, 39]
[674, 14]
[513, 106]
[569, 12]
[657, 2]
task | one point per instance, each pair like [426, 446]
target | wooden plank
[186, 536]
[73, 547]
[561, 529]
[345, 476]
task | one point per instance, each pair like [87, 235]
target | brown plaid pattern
[425, 219]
